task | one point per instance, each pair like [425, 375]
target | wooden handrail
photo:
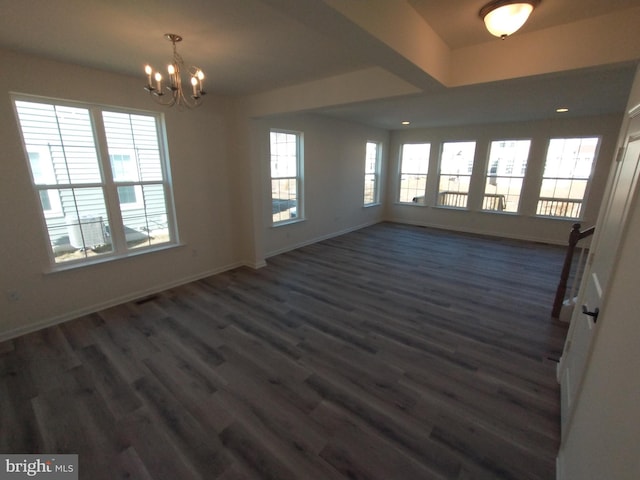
[574, 237]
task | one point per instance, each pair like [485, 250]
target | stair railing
[574, 237]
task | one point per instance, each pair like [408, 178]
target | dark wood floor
[394, 352]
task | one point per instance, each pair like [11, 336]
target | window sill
[500, 212]
[288, 222]
[451, 207]
[565, 219]
[375, 204]
[411, 204]
[74, 265]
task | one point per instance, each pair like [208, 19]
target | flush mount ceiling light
[504, 17]
[172, 93]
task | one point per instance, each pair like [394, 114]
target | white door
[603, 255]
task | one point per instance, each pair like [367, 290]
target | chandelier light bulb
[194, 83]
[159, 83]
[148, 71]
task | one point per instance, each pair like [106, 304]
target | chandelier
[170, 91]
[504, 17]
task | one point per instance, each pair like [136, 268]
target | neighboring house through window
[124, 168]
[286, 176]
[43, 174]
[567, 172]
[505, 174]
[456, 166]
[372, 174]
[101, 176]
[414, 167]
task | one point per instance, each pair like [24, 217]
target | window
[567, 170]
[123, 166]
[505, 174]
[97, 201]
[42, 171]
[372, 174]
[456, 165]
[286, 176]
[127, 196]
[414, 165]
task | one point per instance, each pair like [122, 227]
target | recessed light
[406, 122]
[562, 110]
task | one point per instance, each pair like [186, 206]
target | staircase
[571, 275]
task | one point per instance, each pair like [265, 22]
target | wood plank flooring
[393, 352]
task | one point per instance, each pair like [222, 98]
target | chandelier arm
[175, 92]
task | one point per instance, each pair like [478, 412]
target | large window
[567, 171]
[372, 174]
[456, 166]
[43, 174]
[286, 176]
[414, 166]
[505, 173]
[101, 177]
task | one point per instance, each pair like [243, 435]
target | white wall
[525, 226]
[220, 170]
[604, 435]
[204, 198]
[334, 156]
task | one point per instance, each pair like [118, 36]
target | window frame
[413, 202]
[469, 167]
[587, 180]
[509, 174]
[299, 177]
[114, 219]
[375, 174]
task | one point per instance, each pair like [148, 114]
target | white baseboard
[255, 265]
[289, 248]
[58, 319]
[473, 231]
[559, 472]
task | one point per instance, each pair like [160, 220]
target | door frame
[631, 134]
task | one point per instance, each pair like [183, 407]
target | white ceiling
[529, 98]
[458, 24]
[244, 46]
[251, 46]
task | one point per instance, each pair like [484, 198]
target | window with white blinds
[101, 177]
